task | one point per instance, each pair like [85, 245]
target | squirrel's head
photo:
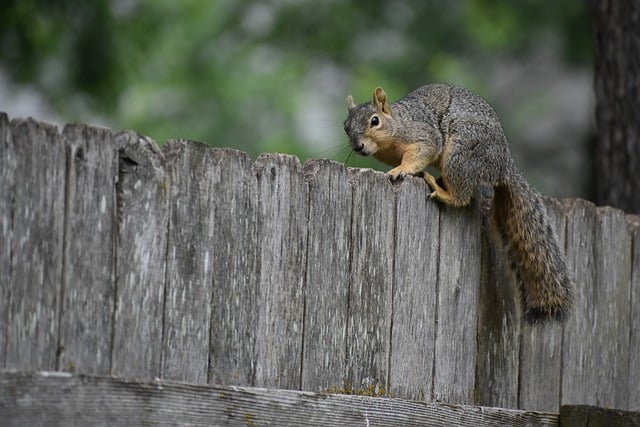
[367, 124]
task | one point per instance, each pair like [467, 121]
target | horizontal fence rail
[195, 264]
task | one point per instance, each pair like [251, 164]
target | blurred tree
[617, 86]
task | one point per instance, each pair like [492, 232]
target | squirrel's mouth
[358, 147]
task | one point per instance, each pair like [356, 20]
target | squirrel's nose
[357, 146]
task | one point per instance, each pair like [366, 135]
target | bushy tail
[541, 271]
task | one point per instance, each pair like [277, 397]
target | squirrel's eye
[375, 121]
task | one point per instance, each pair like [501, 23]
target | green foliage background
[264, 75]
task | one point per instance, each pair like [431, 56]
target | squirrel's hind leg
[441, 194]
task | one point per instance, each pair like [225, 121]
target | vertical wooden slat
[612, 308]
[457, 306]
[414, 293]
[191, 241]
[235, 281]
[370, 292]
[634, 343]
[499, 321]
[88, 277]
[142, 220]
[282, 214]
[327, 283]
[596, 345]
[7, 194]
[578, 384]
[541, 345]
[36, 226]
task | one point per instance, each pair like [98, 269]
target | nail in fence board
[415, 292]
[141, 246]
[327, 282]
[370, 291]
[36, 230]
[234, 307]
[86, 318]
[191, 243]
[457, 305]
[541, 345]
[283, 202]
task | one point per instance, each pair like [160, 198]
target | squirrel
[458, 132]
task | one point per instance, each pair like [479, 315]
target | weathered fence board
[88, 279]
[457, 306]
[195, 264]
[371, 282]
[191, 240]
[579, 359]
[7, 188]
[414, 294]
[141, 246]
[326, 292]
[37, 203]
[39, 400]
[541, 345]
[612, 308]
[634, 342]
[283, 207]
[234, 264]
[498, 326]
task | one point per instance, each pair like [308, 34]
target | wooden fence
[194, 264]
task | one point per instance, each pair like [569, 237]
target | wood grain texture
[541, 345]
[327, 281]
[189, 274]
[283, 206]
[415, 292]
[235, 302]
[141, 245]
[7, 195]
[36, 223]
[52, 399]
[371, 282]
[499, 323]
[634, 342]
[592, 416]
[457, 306]
[578, 351]
[612, 307]
[86, 319]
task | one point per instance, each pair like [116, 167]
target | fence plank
[578, 384]
[191, 239]
[457, 306]
[541, 345]
[283, 205]
[88, 275]
[415, 292]
[7, 194]
[141, 245]
[612, 308]
[235, 279]
[327, 282]
[39, 400]
[499, 322]
[634, 343]
[370, 291]
[37, 230]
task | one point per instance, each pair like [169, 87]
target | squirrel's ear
[350, 104]
[380, 101]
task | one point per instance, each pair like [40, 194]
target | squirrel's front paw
[396, 173]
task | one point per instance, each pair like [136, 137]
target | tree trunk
[617, 88]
